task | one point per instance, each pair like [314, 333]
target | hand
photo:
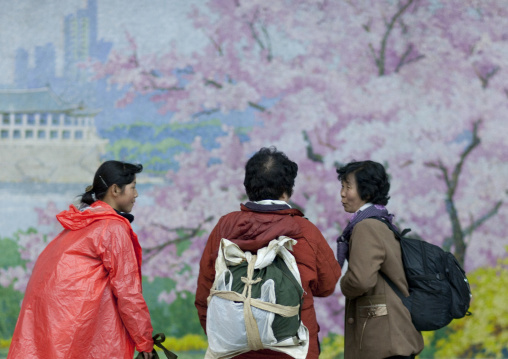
[147, 355]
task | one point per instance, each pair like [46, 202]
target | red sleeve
[120, 261]
[327, 268]
[207, 274]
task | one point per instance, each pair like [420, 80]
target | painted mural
[191, 89]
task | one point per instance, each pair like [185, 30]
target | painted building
[44, 139]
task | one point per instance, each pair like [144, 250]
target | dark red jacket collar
[270, 208]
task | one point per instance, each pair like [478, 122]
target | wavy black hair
[269, 174]
[372, 182]
[108, 174]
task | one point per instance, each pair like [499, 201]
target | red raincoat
[84, 297]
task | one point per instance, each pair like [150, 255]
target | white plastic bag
[225, 322]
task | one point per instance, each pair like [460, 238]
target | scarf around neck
[375, 210]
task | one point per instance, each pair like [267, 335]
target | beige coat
[377, 324]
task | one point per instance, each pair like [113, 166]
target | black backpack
[438, 287]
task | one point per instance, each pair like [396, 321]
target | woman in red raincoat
[84, 297]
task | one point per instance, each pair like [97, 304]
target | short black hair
[269, 174]
[371, 178]
[110, 173]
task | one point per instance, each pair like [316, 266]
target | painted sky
[154, 24]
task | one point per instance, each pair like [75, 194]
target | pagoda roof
[33, 100]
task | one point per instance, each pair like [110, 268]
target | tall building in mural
[46, 139]
[43, 71]
[80, 45]
[81, 41]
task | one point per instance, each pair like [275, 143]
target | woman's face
[124, 201]
[350, 198]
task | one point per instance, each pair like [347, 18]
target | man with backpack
[377, 323]
[268, 221]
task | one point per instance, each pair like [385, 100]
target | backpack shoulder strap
[405, 300]
[394, 229]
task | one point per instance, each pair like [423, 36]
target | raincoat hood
[74, 219]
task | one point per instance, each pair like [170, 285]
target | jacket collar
[270, 208]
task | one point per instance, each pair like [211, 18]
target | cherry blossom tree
[416, 85]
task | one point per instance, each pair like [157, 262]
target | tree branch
[205, 112]
[213, 83]
[485, 79]
[475, 224]
[218, 85]
[255, 35]
[403, 60]
[441, 167]
[257, 106]
[380, 61]
[152, 251]
[316, 157]
[257, 38]
[216, 45]
[458, 168]
[376, 59]
[458, 234]
[268, 43]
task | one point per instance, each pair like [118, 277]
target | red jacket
[84, 296]
[252, 230]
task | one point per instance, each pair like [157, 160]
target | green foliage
[10, 255]
[187, 126]
[189, 342]
[431, 339]
[485, 332]
[156, 145]
[332, 347]
[175, 319]
[183, 245]
[10, 301]
[132, 150]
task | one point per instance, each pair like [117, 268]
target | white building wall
[47, 127]
[46, 147]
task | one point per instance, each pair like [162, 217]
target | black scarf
[126, 215]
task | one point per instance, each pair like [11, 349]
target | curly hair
[269, 174]
[371, 178]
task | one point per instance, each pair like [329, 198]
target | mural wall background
[191, 89]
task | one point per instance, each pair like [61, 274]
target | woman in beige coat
[377, 324]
